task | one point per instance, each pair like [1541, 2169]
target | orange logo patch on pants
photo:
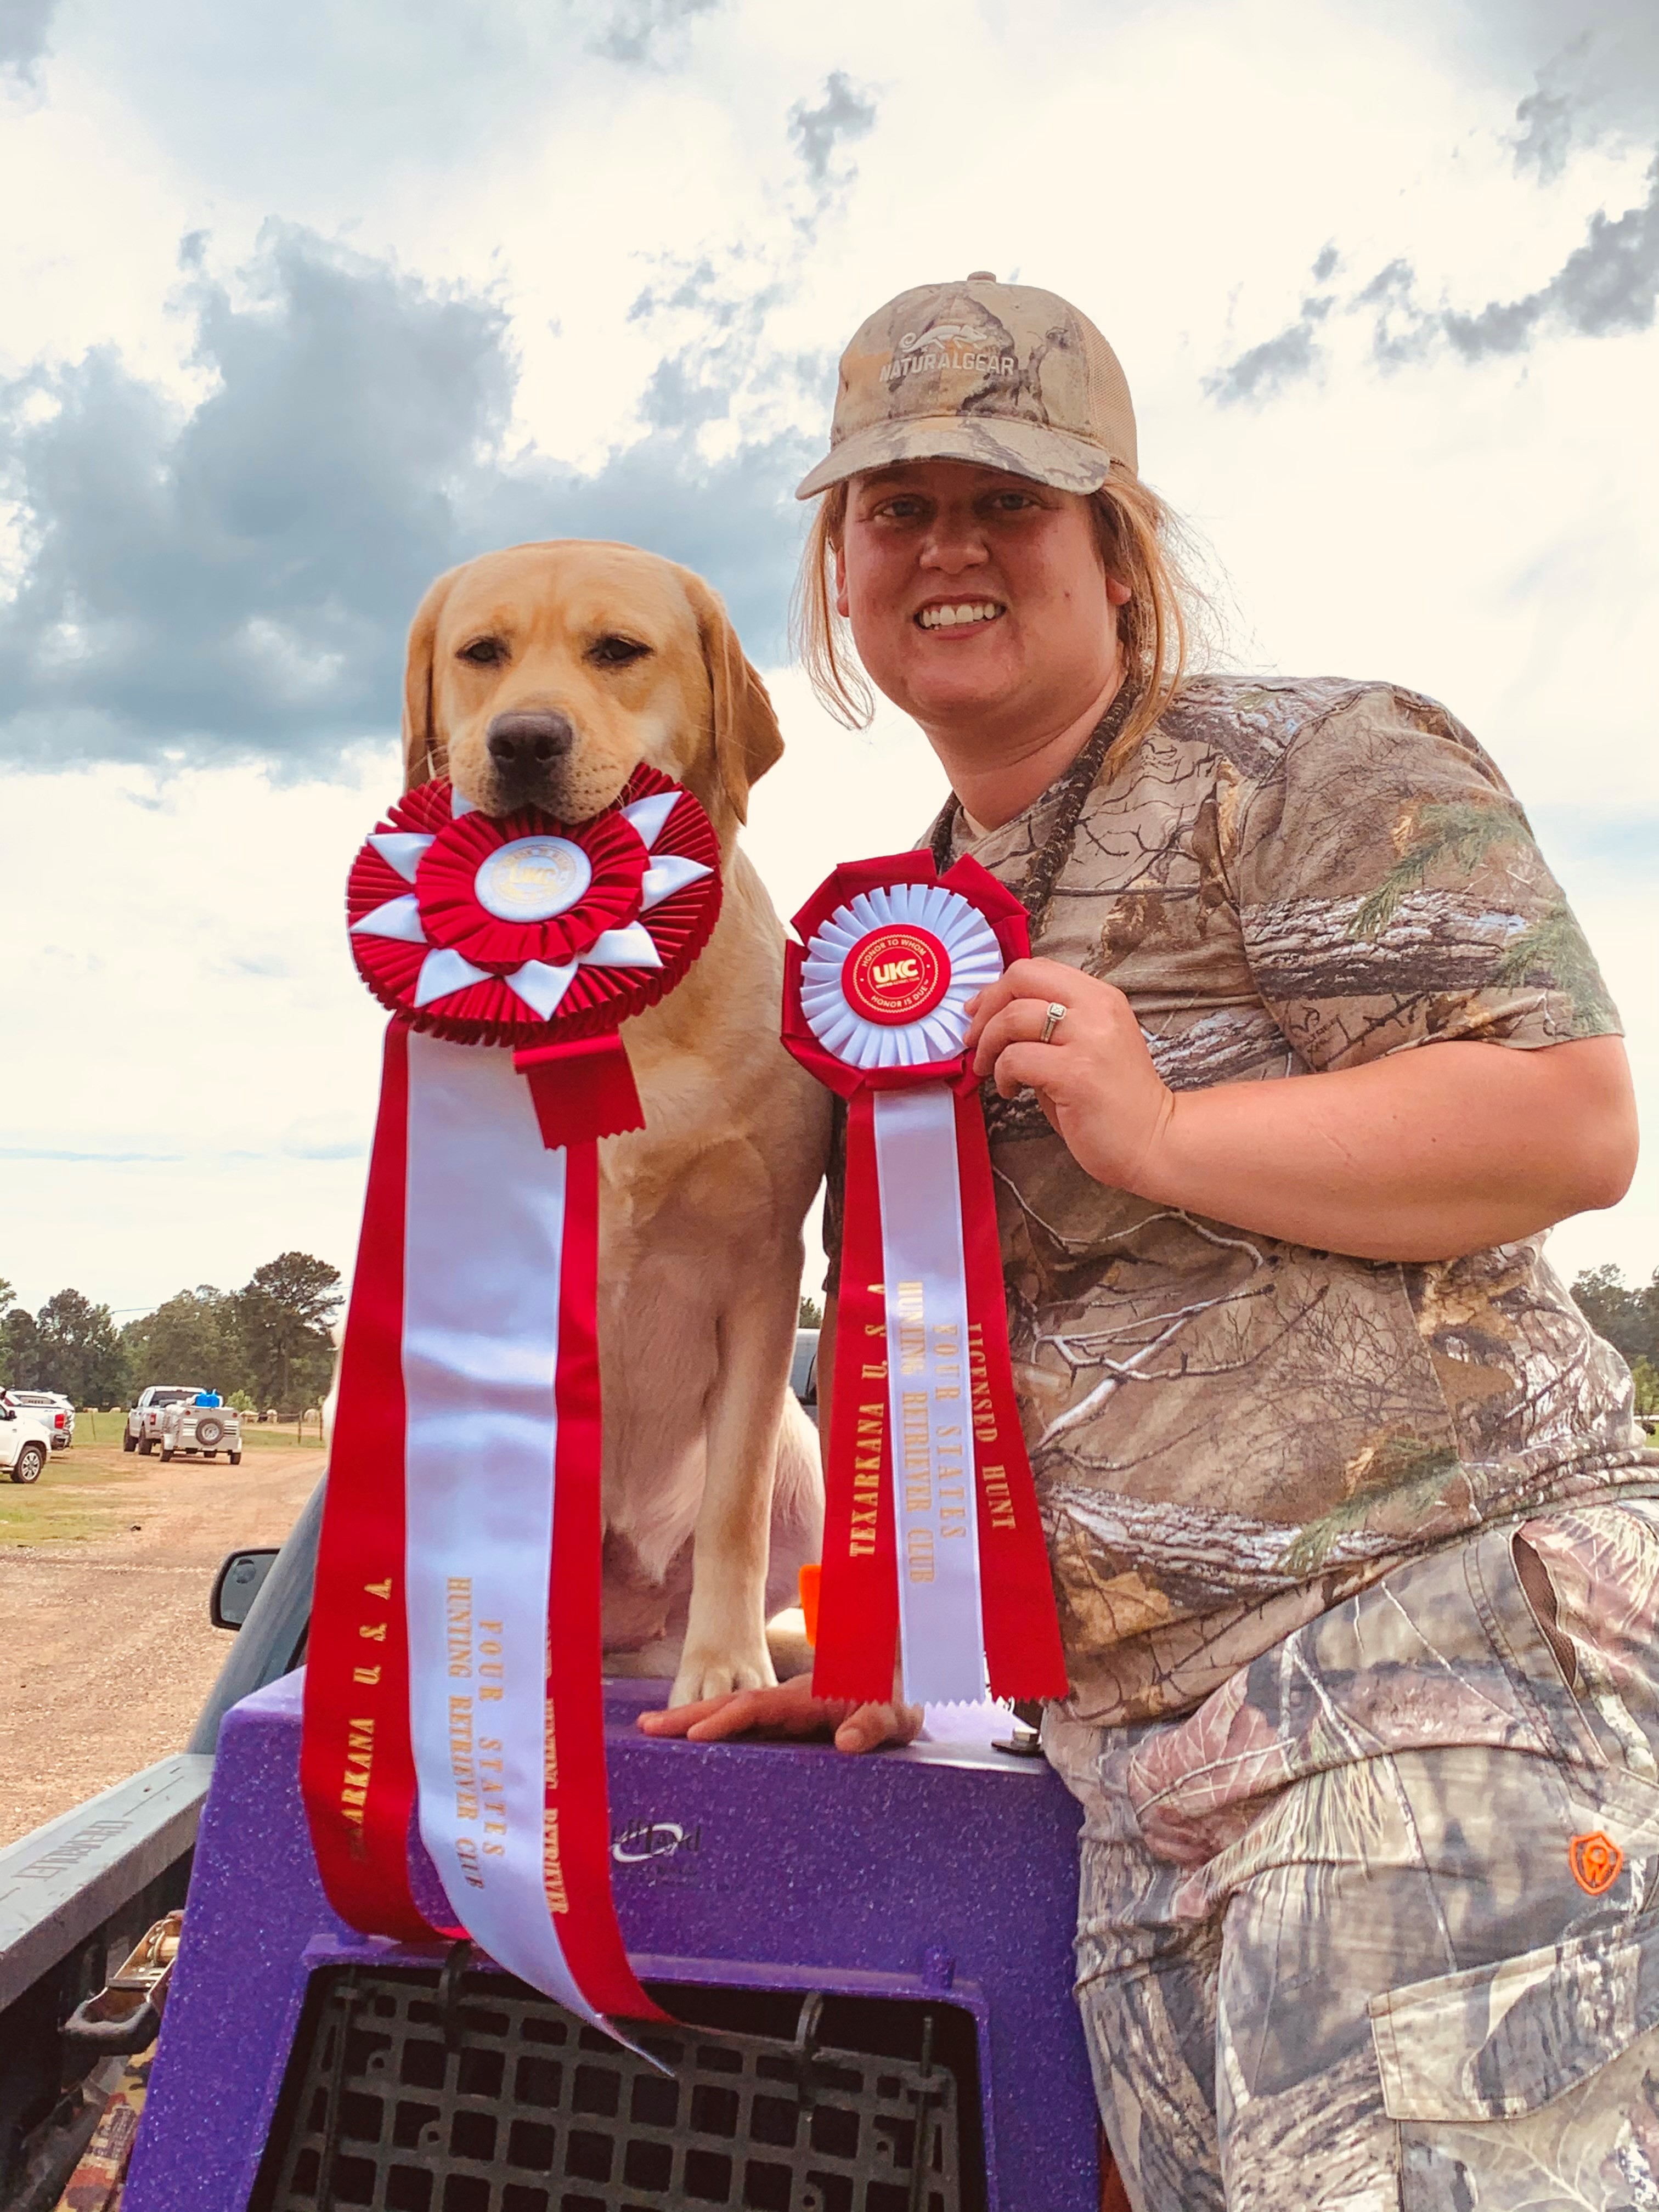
[1596, 1862]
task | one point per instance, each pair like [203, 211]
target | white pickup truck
[208, 1430]
[143, 1429]
[25, 1443]
[56, 1411]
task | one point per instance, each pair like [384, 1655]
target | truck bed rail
[63, 1883]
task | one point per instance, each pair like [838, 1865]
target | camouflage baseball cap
[1003, 375]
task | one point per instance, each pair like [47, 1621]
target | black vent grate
[407, 2092]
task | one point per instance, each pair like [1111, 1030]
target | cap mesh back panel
[527, 2110]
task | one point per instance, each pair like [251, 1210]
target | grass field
[90, 1491]
[78, 1495]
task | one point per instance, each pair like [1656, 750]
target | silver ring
[1055, 1016]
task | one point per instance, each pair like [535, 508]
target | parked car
[189, 1428]
[54, 1409]
[25, 1443]
[143, 1429]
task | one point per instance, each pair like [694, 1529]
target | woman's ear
[842, 607]
[424, 753]
[747, 739]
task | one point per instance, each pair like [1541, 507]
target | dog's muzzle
[526, 747]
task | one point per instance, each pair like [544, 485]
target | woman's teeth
[946, 618]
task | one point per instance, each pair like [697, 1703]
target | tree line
[267, 1344]
[1629, 1319]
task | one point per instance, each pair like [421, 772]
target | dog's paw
[706, 1672]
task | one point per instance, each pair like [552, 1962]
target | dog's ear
[747, 739]
[424, 754]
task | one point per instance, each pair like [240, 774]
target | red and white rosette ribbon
[453, 1667]
[932, 1540]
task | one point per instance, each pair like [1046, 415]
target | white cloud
[193, 1058]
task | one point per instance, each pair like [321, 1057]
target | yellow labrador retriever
[543, 676]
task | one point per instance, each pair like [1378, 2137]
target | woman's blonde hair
[1143, 544]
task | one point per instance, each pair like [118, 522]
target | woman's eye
[483, 653]
[613, 651]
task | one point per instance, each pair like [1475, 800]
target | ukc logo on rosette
[932, 1542]
[896, 975]
[532, 879]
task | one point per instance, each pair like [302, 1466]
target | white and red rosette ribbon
[932, 1542]
[453, 1665]
[527, 931]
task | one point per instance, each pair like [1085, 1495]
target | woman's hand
[790, 1709]
[1094, 1078]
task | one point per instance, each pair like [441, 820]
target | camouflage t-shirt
[1230, 1433]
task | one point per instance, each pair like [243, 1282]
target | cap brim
[993, 442]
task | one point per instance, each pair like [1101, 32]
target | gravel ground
[105, 1633]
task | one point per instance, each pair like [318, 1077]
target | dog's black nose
[531, 738]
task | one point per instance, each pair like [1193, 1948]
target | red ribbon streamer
[581, 1090]
[356, 1766]
[1023, 1651]
[578, 1806]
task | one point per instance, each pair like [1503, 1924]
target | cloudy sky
[304, 303]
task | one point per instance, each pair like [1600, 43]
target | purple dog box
[941, 1876]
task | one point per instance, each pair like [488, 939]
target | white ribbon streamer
[941, 1636]
[484, 1237]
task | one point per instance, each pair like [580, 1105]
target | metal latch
[125, 2015]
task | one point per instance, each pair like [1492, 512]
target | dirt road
[104, 1569]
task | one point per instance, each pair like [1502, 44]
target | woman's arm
[1426, 1154]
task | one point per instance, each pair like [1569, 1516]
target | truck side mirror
[236, 1585]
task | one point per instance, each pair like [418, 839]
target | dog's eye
[483, 653]
[613, 651]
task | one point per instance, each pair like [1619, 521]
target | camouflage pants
[1377, 1926]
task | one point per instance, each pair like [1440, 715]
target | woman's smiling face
[975, 594]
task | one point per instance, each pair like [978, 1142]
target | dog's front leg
[726, 1632]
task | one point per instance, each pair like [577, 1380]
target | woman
[1345, 1502]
